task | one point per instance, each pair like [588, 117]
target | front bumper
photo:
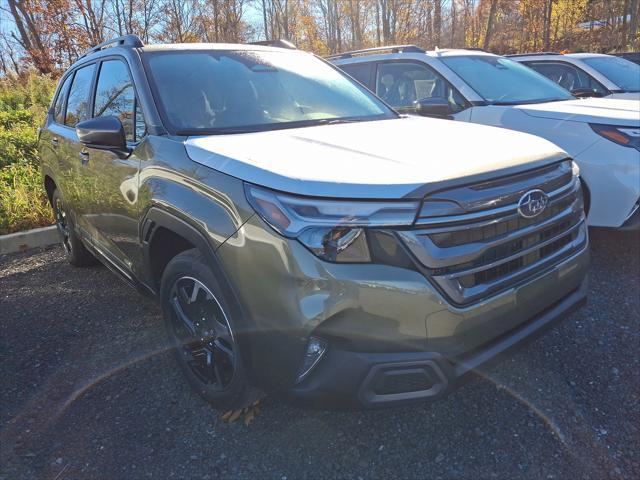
[374, 316]
[612, 175]
[372, 380]
[632, 223]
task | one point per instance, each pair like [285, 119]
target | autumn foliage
[51, 34]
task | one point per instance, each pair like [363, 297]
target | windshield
[202, 92]
[501, 81]
[622, 72]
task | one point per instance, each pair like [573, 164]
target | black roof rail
[130, 40]
[532, 54]
[366, 51]
[280, 43]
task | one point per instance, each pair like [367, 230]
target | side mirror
[105, 133]
[584, 92]
[433, 107]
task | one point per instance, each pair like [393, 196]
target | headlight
[625, 136]
[333, 230]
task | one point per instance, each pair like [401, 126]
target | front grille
[475, 254]
[494, 273]
[498, 228]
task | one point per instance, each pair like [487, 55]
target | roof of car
[366, 55]
[586, 55]
[550, 55]
[456, 52]
[210, 46]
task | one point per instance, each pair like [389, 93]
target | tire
[76, 253]
[202, 330]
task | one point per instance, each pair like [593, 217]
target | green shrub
[23, 103]
[30, 91]
[10, 118]
[18, 144]
[23, 201]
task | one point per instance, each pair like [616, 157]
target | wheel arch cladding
[185, 236]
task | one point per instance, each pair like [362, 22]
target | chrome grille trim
[477, 254]
[462, 295]
[436, 257]
[422, 221]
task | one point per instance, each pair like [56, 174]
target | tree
[93, 13]
[490, 20]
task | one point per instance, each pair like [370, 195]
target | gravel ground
[89, 391]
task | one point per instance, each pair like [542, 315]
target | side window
[58, 108]
[360, 71]
[78, 102]
[567, 76]
[402, 83]
[115, 96]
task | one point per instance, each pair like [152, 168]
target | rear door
[74, 191]
[49, 141]
[110, 206]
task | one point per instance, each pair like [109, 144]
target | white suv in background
[587, 74]
[601, 135]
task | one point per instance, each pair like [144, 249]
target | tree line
[48, 35]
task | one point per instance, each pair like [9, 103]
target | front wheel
[76, 253]
[200, 326]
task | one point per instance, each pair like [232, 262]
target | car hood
[392, 158]
[610, 111]
[625, 95]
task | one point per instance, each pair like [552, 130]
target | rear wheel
[200, 326]
[77, 254]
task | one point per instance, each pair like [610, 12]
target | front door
[401, 83]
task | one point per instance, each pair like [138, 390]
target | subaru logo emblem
[532, 203]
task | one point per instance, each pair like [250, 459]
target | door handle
[84, 157]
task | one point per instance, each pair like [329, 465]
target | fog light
[313, 353]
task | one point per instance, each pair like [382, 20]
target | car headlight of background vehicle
[625, 136]
[334, 230]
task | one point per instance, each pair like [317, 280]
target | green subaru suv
[302, 238]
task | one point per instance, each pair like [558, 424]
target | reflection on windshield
[239, 91]
[504, 82]
[622, 72]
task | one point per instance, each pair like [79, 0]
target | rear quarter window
[58, 108]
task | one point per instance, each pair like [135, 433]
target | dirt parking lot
[89, 391]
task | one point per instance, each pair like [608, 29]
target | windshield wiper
[335, 121]
[217, 131]
[531, 102]
[272, 126]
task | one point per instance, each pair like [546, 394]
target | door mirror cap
[433, 107]
[106, 133]
[584, 92]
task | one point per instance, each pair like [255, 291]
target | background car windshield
[622, 72]
[502, 81]
[235, 91]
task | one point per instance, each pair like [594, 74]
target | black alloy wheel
[202, 333]
[63, 225]
[76, 252]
